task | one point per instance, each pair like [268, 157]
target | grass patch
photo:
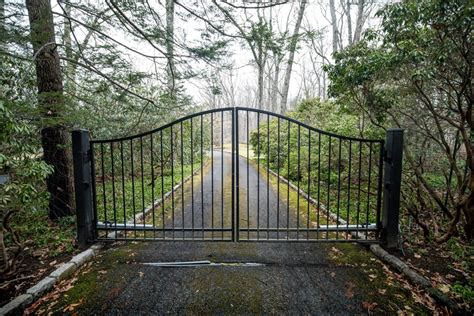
[131, 197]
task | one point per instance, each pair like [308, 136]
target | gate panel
[172, 183]
[298, 183]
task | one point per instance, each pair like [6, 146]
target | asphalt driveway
[243, 278]
[204, 204]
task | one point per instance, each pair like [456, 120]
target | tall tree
[291, 57]
[360, 21]
[335, 31]
[51, 104]
[425, 87]
[349, 22]
[170, 47]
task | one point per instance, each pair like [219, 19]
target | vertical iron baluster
[104, 193]
[268, 176]
[349, 189]
[278, 183]
[202, 181]
[258, 175]
[222, 173]
[232, 139]
[319, 184]
[162, 185]
[172, 179]
[298, 184]
[329, 187]
[338, 188]
[182, 175]
[212, 175]
[248, 180]
[309, 182]
[358, 185]
[368, 193]
[113, 187]
[192, 181]
[288, 188]
[123, 191]
[133, 191]
[143, 185]
[379, 187]
[94, 189]
[152, 186]
[237, 195]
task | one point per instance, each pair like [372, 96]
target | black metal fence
[316, 185]
[236, 174]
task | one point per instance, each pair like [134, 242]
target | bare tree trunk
[324, 85]
[349, 23]
[260, 70]
[291, 57]
[70, 66]
[360, 21]
[2, 20]
[51, 103]
[170, 47]
[335, 36]
[274, 93]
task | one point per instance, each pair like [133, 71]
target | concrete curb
[416, 278]
[19, 303]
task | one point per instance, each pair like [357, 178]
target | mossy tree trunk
[51, 105]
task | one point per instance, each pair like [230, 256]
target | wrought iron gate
[230, 174]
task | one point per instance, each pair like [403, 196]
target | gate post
[82, 186]
[392, 185]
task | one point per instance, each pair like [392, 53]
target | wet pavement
[263, 212]
[291, 278]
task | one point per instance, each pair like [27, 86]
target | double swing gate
[231, 174]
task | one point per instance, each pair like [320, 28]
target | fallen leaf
[140, 274]
[444, 288]
[369, 306]
[350, 290]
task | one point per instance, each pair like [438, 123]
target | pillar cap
[396, 129]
